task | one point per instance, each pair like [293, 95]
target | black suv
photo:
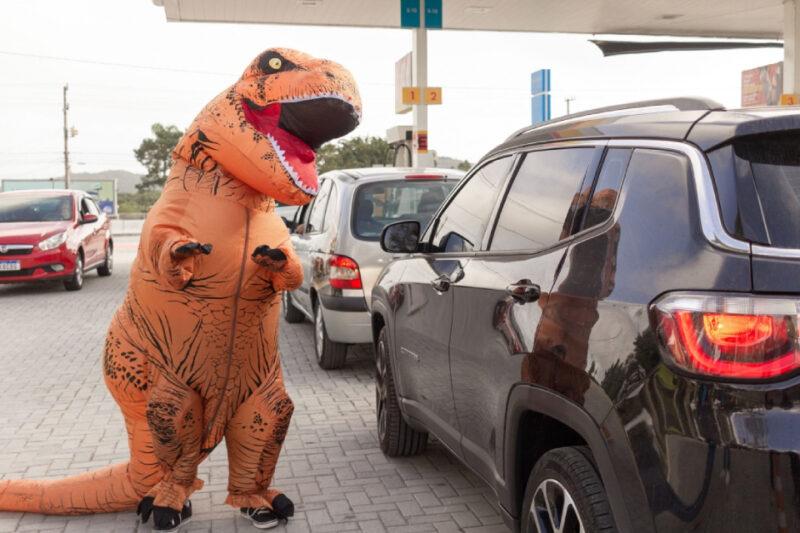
[602, 322]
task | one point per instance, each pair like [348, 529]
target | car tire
[108, 265]
[395, 436]
[291, 314]
[330, 355]
[75, 282]
[564, 492]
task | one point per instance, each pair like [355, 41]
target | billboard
[762, 86]
[103, 191]
[402, 78]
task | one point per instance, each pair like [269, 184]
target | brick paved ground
[56, 418]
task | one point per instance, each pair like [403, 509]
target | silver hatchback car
[337, 238]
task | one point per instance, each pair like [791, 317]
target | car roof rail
[679, 104]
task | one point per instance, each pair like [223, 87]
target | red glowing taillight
[730, 336]
[344, 273]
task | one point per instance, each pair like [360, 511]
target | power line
[113, 64]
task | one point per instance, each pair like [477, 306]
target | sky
[127, 67]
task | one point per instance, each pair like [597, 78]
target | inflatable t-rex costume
[192, 354]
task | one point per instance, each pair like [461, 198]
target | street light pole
[568, 100]
[66, 141]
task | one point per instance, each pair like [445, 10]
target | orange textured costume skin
[191, 356]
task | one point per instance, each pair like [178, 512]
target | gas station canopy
[744, 19]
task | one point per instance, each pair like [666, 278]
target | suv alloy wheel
[330, 355]
[564, 494]
[396, 437]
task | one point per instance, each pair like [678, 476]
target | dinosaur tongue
[297, 157]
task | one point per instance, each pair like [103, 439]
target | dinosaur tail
[105, 490]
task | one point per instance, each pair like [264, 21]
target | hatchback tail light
[344, 273]
[730, 336]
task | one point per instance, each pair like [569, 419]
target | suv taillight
[344, 273]
[730, 336]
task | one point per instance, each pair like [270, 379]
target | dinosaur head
[265, 129]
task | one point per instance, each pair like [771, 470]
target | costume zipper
[234, 322]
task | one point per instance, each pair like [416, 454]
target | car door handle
[524, 291]
[441, 284]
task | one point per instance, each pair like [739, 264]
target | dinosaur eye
[275, 63]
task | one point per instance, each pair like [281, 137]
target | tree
[356, 152]
[464, 165]
[155, 154]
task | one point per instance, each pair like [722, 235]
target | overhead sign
[433, 14]
[540, 96]
[762, 86]
[409, 14]
[402, 78]
[411, 95]
[433, 95]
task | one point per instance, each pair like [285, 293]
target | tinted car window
[774, 162]
[23, 208]
[463, 223]
[378, 204]
[316, 217]
[606, 189]
[536, 212]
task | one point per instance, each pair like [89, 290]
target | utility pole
[66, 141]
[569, 99]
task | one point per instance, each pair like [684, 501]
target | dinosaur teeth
[289, 168]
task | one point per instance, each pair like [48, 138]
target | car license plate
[8, 266]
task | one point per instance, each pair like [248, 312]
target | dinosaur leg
[175, 417]
[254, 438]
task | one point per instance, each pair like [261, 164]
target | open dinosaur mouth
[297, 128]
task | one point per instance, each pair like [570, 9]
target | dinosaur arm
[282, 264]
[170, 259]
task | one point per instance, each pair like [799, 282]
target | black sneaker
[261, 517]
[164, 518]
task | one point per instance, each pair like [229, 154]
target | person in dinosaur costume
[191, 356]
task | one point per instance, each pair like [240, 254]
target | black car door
[498, 303]
[424, 311]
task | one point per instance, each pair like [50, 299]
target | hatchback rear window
[384, 202]
[29, 208]
[773, 163]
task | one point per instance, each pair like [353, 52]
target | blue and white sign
[540, 96]
[540, 108]
[409, 14]
[433, 14]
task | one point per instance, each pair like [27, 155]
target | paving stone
[58, 419]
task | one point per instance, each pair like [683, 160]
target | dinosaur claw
[145, 508]
[272, 253]
[191, 248]
[283, 507]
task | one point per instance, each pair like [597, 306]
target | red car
[48, 235]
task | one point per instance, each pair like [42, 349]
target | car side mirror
[401, 237]
[88, 218]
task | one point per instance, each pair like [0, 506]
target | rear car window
[25, 208]
[774, 162]
[381, 203]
